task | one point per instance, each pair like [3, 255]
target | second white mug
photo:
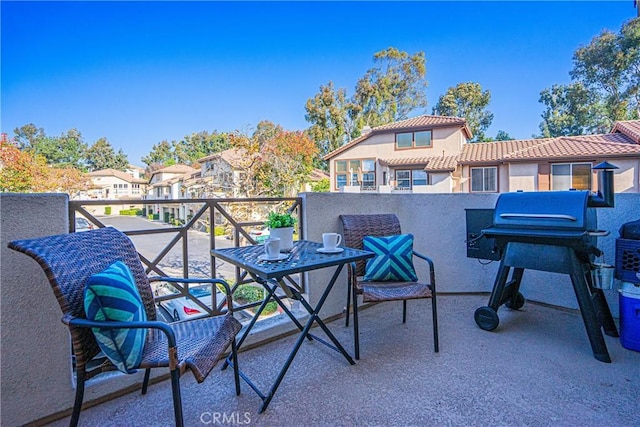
[331, 240]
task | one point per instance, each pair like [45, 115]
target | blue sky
[140, 72]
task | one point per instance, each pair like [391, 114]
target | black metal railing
[235, 217]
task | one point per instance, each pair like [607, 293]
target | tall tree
[161, 153]
[198, 145]
[392, 89]
[571, 110]
[27, 136]
[467, 100]
[503, 136]
[101, 155]
[285, 163]
[608, 72]
[66, 150]
[331, 116]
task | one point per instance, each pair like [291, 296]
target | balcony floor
[535, 369]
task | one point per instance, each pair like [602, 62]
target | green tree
[571, 110]
[198, 145]
[467, 100]
[161, 153]
[66, 150]
[331, 116]
[27, 136]
[392, 89]
[605, 87]
[503, 136]
[101, 155]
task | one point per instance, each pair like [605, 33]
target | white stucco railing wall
[438, 222]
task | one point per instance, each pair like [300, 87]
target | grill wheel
[487, 318]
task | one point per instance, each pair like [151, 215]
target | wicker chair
[355, 228]
[70, 259]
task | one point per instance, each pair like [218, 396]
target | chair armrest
[432, 274]
[225, 285]
[70, 320]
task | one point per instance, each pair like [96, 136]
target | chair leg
[145, 382]
[349, 286]
[434, 312]
[177, 398]
[404, 311]
[236, 370]
[356, 331]
[77, 405]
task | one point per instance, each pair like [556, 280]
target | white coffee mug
[272, 247]
[331, 240]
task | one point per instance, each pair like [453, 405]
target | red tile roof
[432, 163]
[415, 123]
[566, 147]
[631, 128]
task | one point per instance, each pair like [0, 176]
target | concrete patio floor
[536, 369]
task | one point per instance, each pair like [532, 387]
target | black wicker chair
[70, 259]
[355, 228]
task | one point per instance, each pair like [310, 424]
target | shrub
[218, 230]
[247, 294]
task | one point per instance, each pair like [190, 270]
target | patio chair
[355, 229]
[70, 260]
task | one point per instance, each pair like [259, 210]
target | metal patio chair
[68, 260]
[355, 228]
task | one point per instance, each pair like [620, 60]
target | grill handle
[538, 216]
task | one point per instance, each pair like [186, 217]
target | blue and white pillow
[112, 295]
[393, 261]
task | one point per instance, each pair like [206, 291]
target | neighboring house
[115, 184]
[315, 176]
[432, 154]
[222, 172]
[135, 171]
[167, 184]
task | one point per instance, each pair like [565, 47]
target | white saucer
[280, 257]
[330, 251]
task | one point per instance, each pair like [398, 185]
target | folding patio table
[272, 275]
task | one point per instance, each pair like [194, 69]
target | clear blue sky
[140, 72]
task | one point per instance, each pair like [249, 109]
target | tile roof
[420, 122]
[432, 163]
[118, 174]
[175, 169]
[607, 145]
[631, 128]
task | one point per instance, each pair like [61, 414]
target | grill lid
[550, 213]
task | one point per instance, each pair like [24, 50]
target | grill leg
[588, 311]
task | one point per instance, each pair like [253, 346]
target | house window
[354, 172]
[571, 175]
[418, 177]
[420, 139]
[403, 179]
[484, 179]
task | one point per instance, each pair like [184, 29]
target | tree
[285, 163]
[503, 136]
[391, 90]
[331, 115]
[571, 110]
[102, 156]
[16, 168]
[467, 100]
[605, 87]
[66, 150]
[22, 172]
[161, 153]
[386, 93]
[198, 145]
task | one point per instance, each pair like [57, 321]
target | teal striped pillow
[393, 261]
[112, 295]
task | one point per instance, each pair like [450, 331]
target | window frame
[484, 178]
[346, 175]
[571, 176]
[413, 140]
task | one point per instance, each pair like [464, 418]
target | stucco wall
[35, 366]
[439, 224]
